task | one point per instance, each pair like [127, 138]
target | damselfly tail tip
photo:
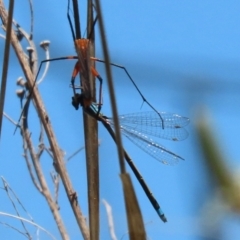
[164, 219]
[161, 215]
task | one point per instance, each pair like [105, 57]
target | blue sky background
[184, 56]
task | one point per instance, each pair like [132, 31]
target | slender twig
[31, 43]
[45, 190]
[56, 180]
[75, 153]
[31, 11]
[45, 46]
[17, 230]
[5, 61]
[30, 222]
[18, 200]
[110, 219]
[29, 166]
[7, 188]
[47, 126]
[10, 119]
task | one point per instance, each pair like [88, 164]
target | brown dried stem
[58, 159]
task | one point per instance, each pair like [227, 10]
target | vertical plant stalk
[47, 127]
[5, 62]
[90, 124]
[91, 142]
[134, 217]
[217, 164]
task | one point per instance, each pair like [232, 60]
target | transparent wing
[152, 148]
[151, 118]
[150, 123]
